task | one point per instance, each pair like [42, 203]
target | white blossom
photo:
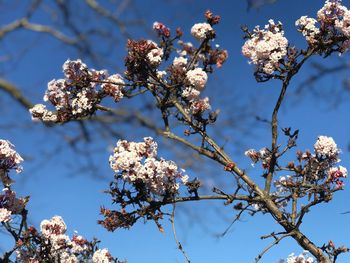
[101, 256]
[266, 47]
[326, 146]
[307, 26]
[197, 78]
[55, 226]
[343, 25]
[200, 30]
[180, 62]
[155, 55]
[9, 158]
[5, 215]
[137, 162]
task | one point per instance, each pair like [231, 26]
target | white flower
[101, 256]
[302, 258]
[55, 226]
[266, 47]
[307, 27]
[337, 172]
[81, 103]
[326, 146]
[115, 87]
[197, 78]
[330, 12]
[200, 30]
[199, 106]
[190, 93]
[39, 112]
[137, 162]
[5, 215]
[155, 55]
[180, 62]
[343, 25]
[9, 158]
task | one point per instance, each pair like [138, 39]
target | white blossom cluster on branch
[9, 158]
[77, 95]
[266, 47]
[138, 163]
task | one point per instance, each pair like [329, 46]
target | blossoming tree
[175, 73]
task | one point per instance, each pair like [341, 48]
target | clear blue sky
[58, 189]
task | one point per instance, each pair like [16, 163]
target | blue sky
[60, 189]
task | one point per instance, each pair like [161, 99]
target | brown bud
[229, 166]
[179, 32]
[291, 165]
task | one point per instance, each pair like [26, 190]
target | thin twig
[277, 240]
[179, 246]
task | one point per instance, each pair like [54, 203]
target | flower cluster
[201, 30]
[331, 12]
[10, 205]
[334, 31]
[282, 183]
[77, 94]
[114, 87]
[9, 158]
[155, 54]
[143, 55]
[335, 173]
[343, 25]
[101, 256]
[197, 78]
[142, 184]
[138, 164]
[322, 165]
[266, 47]
[302, 258]
[307, 26]
[325, 147]
[316, 173]
[58, 246]
[189, 70]
[180, 63]
[161, 29]
[263, 155]
[5, 215]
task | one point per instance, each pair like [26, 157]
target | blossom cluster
[317, 168]
[302, 258]
[266, 47]
[161, 29]
[155, 54]
[201, 30]
[59, 246]
[307, 26]
[10, 205]
[185, 70]
[334, 20]
[142, 56]
[327, 153]
[196, 80]
[326, 147]
[138, 164]
[331, 13]
[9, 158]
[263, 155]
[101, 256]
[77, 94]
